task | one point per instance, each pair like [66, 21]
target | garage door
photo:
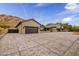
[31, 30]
[13, 30]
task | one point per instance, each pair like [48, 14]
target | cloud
[66, 20]
[70, 12]
[41, 4]
[72, 7]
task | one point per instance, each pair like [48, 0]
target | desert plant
[1, 30]
[4, 26]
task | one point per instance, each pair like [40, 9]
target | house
[53, 28]
[26, 26]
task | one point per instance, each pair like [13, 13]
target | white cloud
[66, 20]
[41, 4]
[74, 7]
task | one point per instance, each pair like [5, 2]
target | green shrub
[75, 28]
[4, 26]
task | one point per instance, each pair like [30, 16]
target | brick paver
[42, 44]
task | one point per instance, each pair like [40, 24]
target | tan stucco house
[54, 28]
[26, 26]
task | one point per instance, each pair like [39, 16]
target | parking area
[41, 44]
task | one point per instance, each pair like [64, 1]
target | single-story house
[53, 28]
[26, 26]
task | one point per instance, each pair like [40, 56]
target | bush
[75, 28]
[1, 30]
[4, 26]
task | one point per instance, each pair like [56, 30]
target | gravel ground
[41, 44]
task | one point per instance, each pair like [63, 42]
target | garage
[29, 30]
[13, 31]
[29, 26]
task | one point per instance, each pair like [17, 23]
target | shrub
[4, 26]
[75, 28]
[1, 30]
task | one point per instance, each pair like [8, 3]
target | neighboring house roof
[27, 21]
[50, 25]
[42, 26]
[53, 26]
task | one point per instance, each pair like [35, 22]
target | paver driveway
[44, 44]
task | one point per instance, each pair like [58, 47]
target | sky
[43, 12]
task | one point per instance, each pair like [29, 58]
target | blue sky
[43, 13]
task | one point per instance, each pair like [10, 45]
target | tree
[67, 26]
[75, 28]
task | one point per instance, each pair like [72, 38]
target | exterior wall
[20, 28]
[65, 30]
[53, 29]
[39, 29]
[28, 23]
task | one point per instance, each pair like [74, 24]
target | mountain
[9, 20]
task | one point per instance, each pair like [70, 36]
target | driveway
[42, 44]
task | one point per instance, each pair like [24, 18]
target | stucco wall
[53, 29]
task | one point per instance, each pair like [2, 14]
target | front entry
[29, 30]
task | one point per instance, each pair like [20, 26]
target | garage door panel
[13, 31]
